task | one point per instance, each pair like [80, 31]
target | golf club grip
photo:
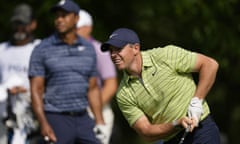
[184, 134]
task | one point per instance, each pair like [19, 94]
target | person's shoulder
[163, 49]
[159, 52]
[97, 46]
[4, 45]
[173, 49]
[172, 46]
[37, 41]
[84, 42]
[96, 42]
[152, 51]
[45, 42]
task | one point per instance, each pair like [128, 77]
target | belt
[69, 113]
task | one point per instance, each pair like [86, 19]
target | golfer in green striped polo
[158, 95]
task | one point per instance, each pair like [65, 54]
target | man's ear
[33, 25]
[136, 48]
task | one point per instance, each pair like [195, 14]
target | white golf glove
[101, 131]
[195, 109]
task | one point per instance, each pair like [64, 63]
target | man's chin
[61, 32]
[120, 67]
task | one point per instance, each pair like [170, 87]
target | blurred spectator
[107, 79]
[14, 61]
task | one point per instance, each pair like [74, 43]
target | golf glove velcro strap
[101, 131]
[195, 109]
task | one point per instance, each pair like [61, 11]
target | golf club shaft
[184, 135]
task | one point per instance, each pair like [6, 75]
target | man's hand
[48, 133]
[101, 131]
[195, 109]
[17, 90]
[185, 122]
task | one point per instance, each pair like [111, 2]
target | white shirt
[14, 61]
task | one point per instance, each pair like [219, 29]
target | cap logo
[113, 35]
[62, 2]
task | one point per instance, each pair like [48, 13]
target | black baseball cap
[119, 38]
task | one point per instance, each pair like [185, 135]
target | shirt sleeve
[129, 109]
[179, 59]
[36, 65]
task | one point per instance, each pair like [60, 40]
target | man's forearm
[109, 89]
[157, 131]
[37, 106]
[152, 132]
[37, 91]
[96, 104]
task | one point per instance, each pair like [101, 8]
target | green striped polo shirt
[165, 90]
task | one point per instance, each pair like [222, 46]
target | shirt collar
[58, 41]
[147, 63]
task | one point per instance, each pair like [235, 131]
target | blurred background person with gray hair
[107, 79]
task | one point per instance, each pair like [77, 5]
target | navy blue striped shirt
[66, 69]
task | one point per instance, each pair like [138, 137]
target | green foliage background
[209, 27]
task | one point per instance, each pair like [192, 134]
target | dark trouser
[70, 129]
[206, 133]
